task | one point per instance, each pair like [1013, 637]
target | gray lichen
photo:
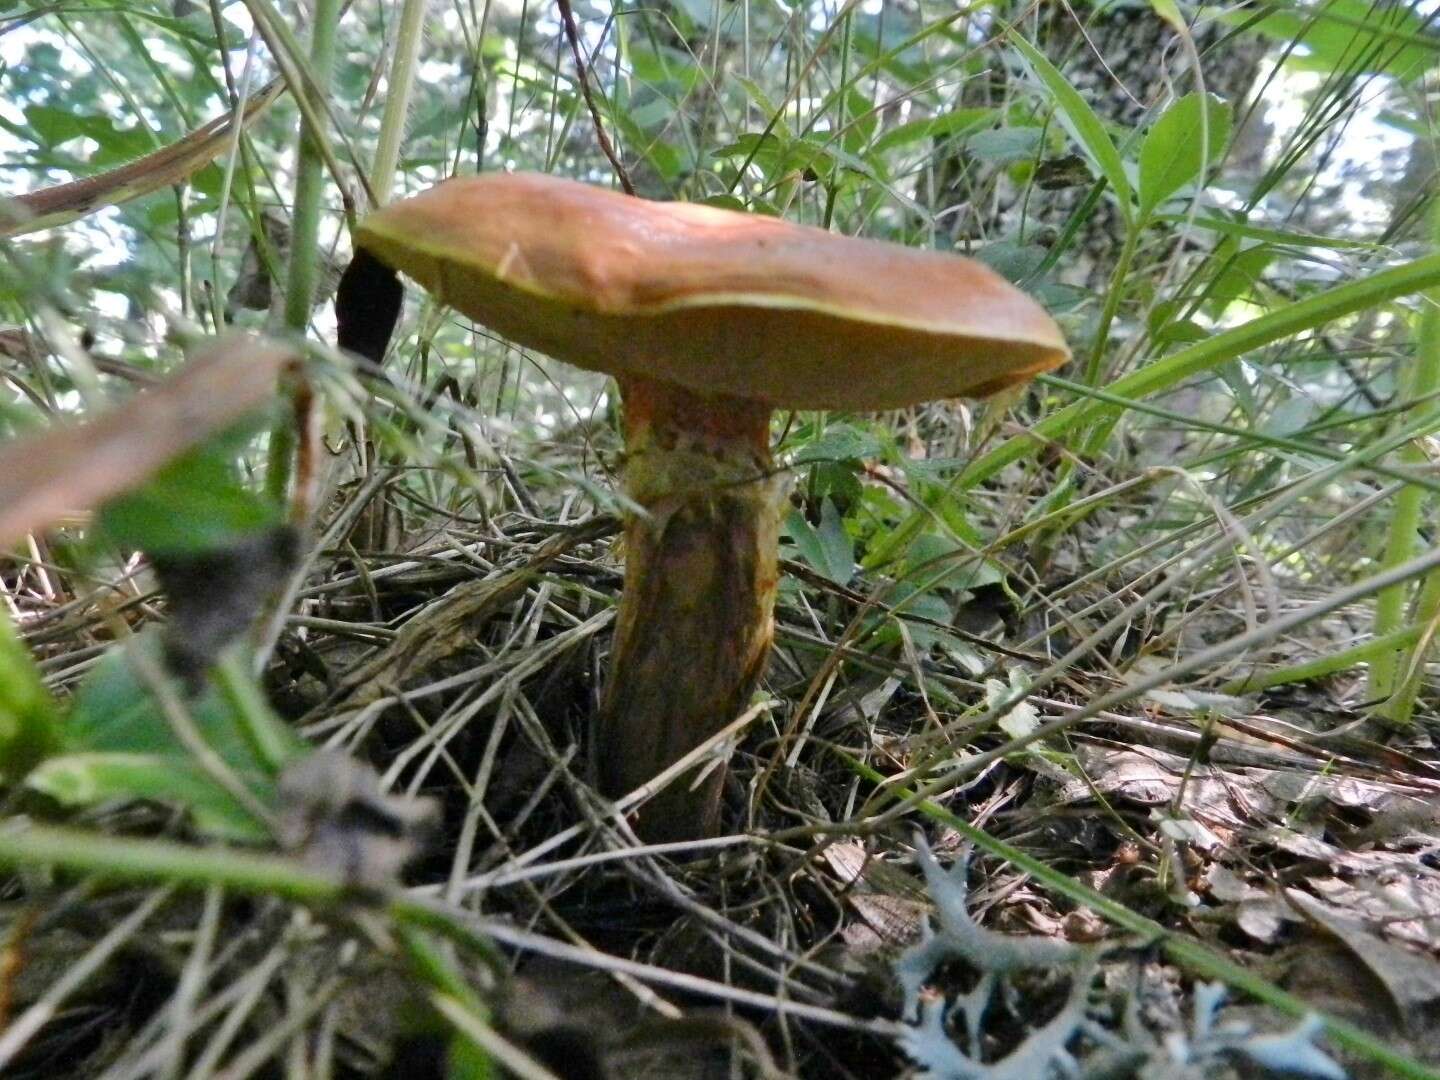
[1080, 1042]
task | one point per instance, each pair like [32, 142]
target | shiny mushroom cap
[717, 301]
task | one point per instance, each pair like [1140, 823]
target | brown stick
[582, 73]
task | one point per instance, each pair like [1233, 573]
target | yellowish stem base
[696, 617]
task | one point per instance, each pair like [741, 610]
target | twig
[581, 72]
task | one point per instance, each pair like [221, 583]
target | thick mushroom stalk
[696, 616]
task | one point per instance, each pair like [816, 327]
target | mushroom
[708, 319]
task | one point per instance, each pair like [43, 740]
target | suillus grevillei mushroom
[708, 319]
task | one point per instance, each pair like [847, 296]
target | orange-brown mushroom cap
[718, 301]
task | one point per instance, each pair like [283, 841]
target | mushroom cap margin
[716, 300]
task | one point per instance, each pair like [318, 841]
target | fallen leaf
[1411, 979]
[73, 467]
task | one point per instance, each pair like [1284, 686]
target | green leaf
[1238, 272]
[1177, 151]
[841, 442]
[828, 548]
[955, 122]
[664, 66]
[1080, 121]
[918, 602]
[468, 1061]
[725, 202]
[114, 712]
[29, 719]
[1006, 144]
[839, 480]
[1351, 36]
[88, 779]
[1292, 415]
[119, 743]
[1014, 262]
[55, 126]
[1170, 12]
[756, 94]
[195, 504]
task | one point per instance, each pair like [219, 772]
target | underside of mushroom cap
[715, 300]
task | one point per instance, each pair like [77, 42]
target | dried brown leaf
[73, 467]
[64, 203]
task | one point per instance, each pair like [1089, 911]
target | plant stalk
[1427, 612]
[303, 273]
[1327, 665]
[399, 92]
[1388, 670]
[1113, 295]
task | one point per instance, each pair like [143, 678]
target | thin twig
[582, 73]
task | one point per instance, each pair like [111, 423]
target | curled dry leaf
[166, 167]
[73, 467]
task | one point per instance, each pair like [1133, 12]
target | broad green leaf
[757, 94]
[55, 125]
[1077, 118]
[838, 480]
[1348, 35]
[758, 147]
[917, 602]
[1292, 415]
[827, 548]
[1014, 262]
[29, 720]
[1237, 272]
[955, 122]
[88, 779]
[119, 743]
[725, 202]
[115, 712]
[1005, 144]
[892, 545]
[1175, 152]
[927, 557]
[935, 561]
[653, 114]
[1170, 12]
[467, 1061]
[840, 442]
[664, 66]
[862, 120]
[195, 504]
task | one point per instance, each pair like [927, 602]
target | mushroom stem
[696, 616]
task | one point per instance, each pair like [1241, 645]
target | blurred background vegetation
[1177, 542]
